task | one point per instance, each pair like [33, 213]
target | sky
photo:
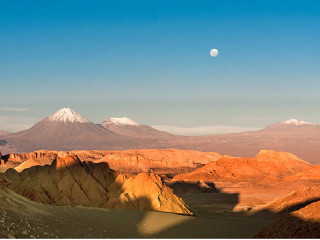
[150, 61]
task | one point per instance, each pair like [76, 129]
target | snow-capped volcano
[123, 121]
[291, 125]
[67, 115]
[295, 122]
[64, 130]
[130, 128]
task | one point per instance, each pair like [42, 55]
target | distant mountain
[293, 125]
[297, 137]
[65, 130]
[127, 127]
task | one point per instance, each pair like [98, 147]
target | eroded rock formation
[134, 161]
[69, 181]
[266, 164]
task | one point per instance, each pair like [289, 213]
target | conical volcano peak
[67, 115]
[295, 122]
[123, 121]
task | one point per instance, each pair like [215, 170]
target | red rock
[266, 164]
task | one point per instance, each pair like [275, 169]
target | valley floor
[215, 218]
[78, 222]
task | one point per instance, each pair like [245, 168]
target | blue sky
[149, 60]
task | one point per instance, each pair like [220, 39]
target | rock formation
[160, 161]
[311, 174]
[266, 163]
[294, 200]
[69, 181]
[303, 223]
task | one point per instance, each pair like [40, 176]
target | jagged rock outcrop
[69, 181]
[266, 163]
[46, 157]
[26, 160]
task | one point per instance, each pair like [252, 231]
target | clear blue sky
[149, 60]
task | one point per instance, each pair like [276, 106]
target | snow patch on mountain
[296, 122]
[123, 121]
[67, 115]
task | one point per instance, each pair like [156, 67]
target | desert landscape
[166, 193]
[159, 119]
[155, 192]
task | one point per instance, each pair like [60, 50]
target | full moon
[214, 52]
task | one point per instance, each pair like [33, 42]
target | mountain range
[67, 130]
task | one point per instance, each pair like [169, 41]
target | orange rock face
[311, 174]
[70, 181]
[270, 164]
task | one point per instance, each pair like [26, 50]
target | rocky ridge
[166, 160]
[69, 181]
[265, 165]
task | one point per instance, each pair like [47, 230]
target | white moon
[214, 52]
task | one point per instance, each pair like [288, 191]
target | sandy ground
[22, 218]
[77, 222]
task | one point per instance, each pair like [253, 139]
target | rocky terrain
[26, 160]
[160, 161]
[266, 165]
[231, 196]
[311, 174]
[69, 181]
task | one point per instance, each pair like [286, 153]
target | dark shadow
[3, 142]
[289, 226]
[225, 223]
[3, 158]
